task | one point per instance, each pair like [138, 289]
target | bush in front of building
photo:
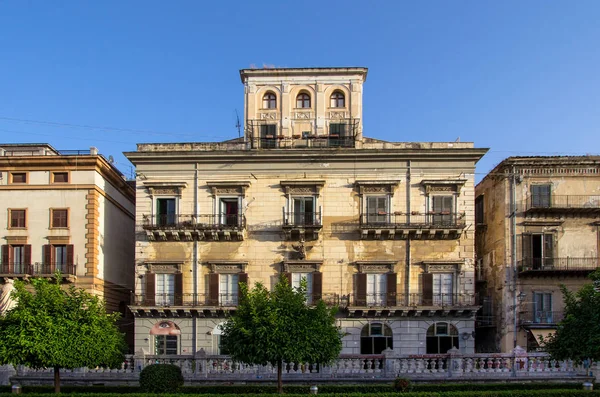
[402, 385]
[161, 378]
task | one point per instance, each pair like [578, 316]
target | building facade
[383, 230]
[67, 211]
[537, 227]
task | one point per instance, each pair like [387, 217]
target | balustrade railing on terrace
[385, 366]
[34, 269]
[191, 222]
[431, 220]
[563, 201]
[311, 141]
[541, 317]
[558, 264]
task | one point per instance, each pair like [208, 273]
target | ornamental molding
[303, 115]
[165, 188]
[302, 187]
[443, 186]
[376, 267]
[443, 267]
[228, 187]
[228, 267]
[301, 266]
[375, 186]
[268, 116]
[337, 115]
[170, 268]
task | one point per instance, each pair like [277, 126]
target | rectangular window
[60, 177]
[542, 308]
[18, 177]
[60, 258]
[165, 289]
[228, 289]
[304, 211]
[229, 211]
[538, 251]
[165, 212]
[540, 196]
[442, 289]
[443, 208]
[479, 214]
[376, 289]
[166, 344]
[297, 277]
[377, 210]
[59, 218]
[17, 219]
[268, 136]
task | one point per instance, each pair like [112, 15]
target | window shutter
[5, 260]
[548, 250]
[27, 257]
[70, 259]
[526, 253]
[392, 281]
[150, 289]
[288, 276]
[317, 287]
[178, 301]
[427, 288]
[213, 289]
[361, 289]
[242, 278]
[47, 252]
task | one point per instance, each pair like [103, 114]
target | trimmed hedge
[161, 378]
[370, 389]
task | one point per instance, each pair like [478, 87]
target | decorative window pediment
[228, 187]
[380, 187]
[443, 266]
[375, 266]
[302, 266]
[302, 187]
[228, 267]
[165, 188]
[443, 186]
[164, 267]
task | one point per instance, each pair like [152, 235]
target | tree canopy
[55, 327]
[278, 326]
[577, 337]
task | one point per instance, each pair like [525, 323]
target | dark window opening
[230, 211]
[267, 136]
[59, 218]
[166, 344]
[165, 211]
[375, 338]
[441, 337]
[61, 177]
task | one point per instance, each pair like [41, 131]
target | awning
[538, 334]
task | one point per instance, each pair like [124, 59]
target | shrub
[161, 378]
[402, 385]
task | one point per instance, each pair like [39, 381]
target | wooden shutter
[427, 288]
[70, 259]
[317, 287]
[361, 289]
[5, 260]
[392, 281]
[526, 252]
[242, 278]
[213, 289]
[27, 258]
[47, 267]
[150, 299]
[178, 301]
[548, 260]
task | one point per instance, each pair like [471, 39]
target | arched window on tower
[303, 101]
[269, 101]
[338, 100]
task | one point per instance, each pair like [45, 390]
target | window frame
[164, 351]
[302, 99]
[379, 218]
[175, 214]
[10, 218]
[269, 98]
[11, 177]
[166, 297]
[231, 298]
[451, 333]
[296, 279]
[386, 333]
[538, 199]
[52, 212]
[335, 98]
[480, 210]
[53, 177]
[222, 217]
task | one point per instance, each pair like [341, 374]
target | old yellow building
[538, 222]
[384, 230]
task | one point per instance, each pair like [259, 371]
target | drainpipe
[407, 256]
[195, 263]
[513, 235]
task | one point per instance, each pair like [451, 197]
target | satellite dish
[111, 159]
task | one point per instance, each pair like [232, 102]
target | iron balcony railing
[204, 299]
[302, 219]
[541, 317]
[410, 300]
[394, 220]
[563, 202]
[191, 222]
[35, 269]
[558, 264]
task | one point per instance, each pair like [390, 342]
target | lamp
[522, 295]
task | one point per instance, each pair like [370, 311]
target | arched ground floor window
[375, 338]
[441, 337]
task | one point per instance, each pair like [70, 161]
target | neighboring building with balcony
[552, 239]
[67, 211]
[383, 230]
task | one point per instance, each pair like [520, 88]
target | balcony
[302, 225]
[176, 227]
[12, 269]
[419, 226]
[539, 318]
[548, 204]
[306, 142]
[531, 266]
[409, 304]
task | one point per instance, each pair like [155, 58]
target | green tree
[577, 336]
[278, 326]
[53, 327]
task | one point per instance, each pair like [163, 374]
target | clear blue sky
[518, 77]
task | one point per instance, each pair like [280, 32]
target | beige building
[538, 222]
[384, 230]
[67, 211]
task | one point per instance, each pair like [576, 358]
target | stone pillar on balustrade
[201, 362]
[139, 360]
[519, 359]
[389, 367]
[455, 363]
